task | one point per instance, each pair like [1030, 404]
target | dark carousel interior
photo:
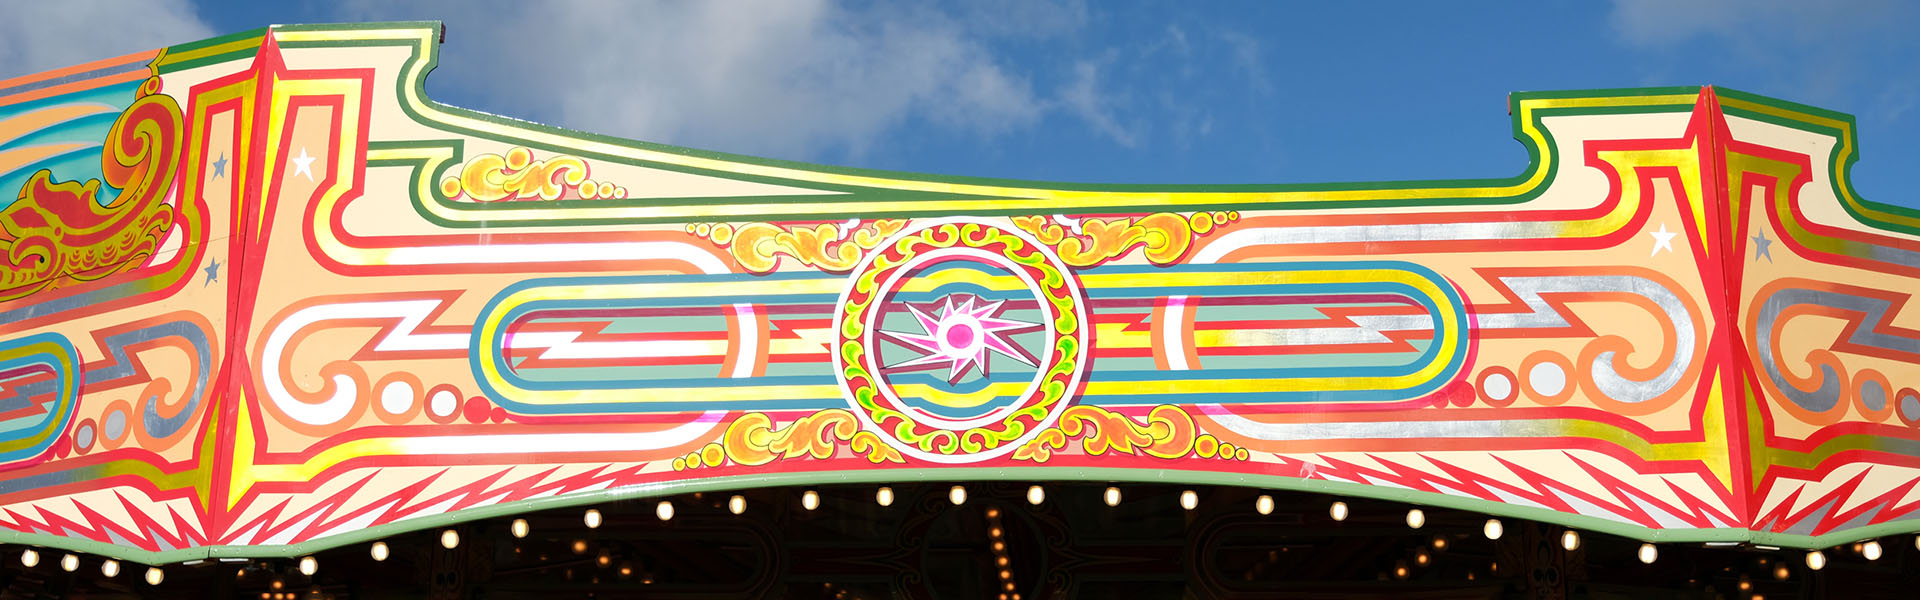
[915, 541]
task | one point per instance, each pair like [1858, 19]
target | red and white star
[959, 335]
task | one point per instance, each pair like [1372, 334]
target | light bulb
[1422, 558]
[1111, 497]
[449, 539]
[1036, 495]
[957, 495]
[1439, 542]
[1871, 550]
[1263, 504]
[1648, 553]
[737, 504]
[30, 558]
[1781, 572]
[593, 518]
[1816, 560]
[663, 510]
[1570, 540]
[154, 576]
[1338, 511]
[810, 500]
[69, 563]
[884, 496]
[1493, 529]
[521, 528]
[308, 566]
[1189, 500]
[1416, 518]
[379, 551]
[110, 568]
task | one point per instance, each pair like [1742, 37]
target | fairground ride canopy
[261, 297]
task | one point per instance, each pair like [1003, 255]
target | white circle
[1547, 378]
[442, 403]
[397, 397]
[1497, 386]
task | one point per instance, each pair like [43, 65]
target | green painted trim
[411, 84]
[247, 52]
[1042, 475]
[1845, 154]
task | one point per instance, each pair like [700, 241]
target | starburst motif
[958, 335]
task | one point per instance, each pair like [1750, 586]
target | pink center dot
[959, 335]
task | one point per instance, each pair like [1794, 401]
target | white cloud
[789, 79]
[45, 35]
[1084, 97]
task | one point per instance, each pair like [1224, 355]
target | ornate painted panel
[262, 297]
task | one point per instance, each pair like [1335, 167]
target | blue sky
[1113, 92]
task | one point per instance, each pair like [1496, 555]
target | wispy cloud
[1084, 97]
[37, 36]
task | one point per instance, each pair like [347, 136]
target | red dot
[499, 414]
[476, 409]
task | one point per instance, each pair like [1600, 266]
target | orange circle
[1858, 392]
[1532, 391]
[1480, 386]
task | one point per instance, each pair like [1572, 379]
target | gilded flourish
[1169, 432]
[517, 176]
[829, 247]
[1165, 237]
[754, 440]
[58, 233]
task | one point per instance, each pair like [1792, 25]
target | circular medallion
[958, 340]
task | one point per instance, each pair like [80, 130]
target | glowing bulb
[993, 513]
[1416, 518]
[154, 576]
[110, 568]
[1263, 504]
[1493, 529]
[1400, 572]
[810, 500]
[1570, 540]
[1338, 511]
[957, 495]
[1648, 553]
[737, 504]
[1781, 573]
[1036, 495]
[663, 510]
[1421, 558]
[593, 518]
[69, 563]
[520, 528]
[1189, 500]
[309, 566]
[1112, 496]
[30, 558]
[449, 539]
[1816, 560]
[884, 496]
[379, 551]
[1871, 550]
[1745, 585]
[579, 546]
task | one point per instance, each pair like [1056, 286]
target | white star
[1661, 239]
[303, 164]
